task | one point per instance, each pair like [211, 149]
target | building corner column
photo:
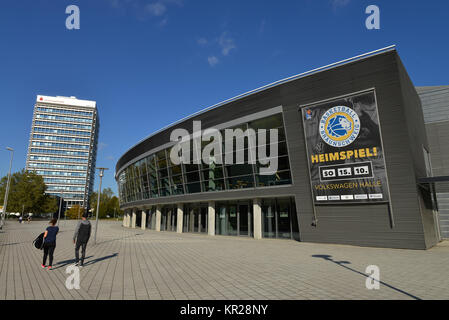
[133, 219]
[179, 218]
[127, 220]
[143, 224]
[257, 217]
[158, 218]
[211, 219]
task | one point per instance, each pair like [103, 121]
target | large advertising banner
[344, 149]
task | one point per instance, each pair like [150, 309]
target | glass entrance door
[279, 218]
[168, 219]
[233, 219]
[195, 218]
[284, 219]
[245, 220]
[203, 219]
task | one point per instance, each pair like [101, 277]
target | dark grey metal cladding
[435, 103]
[413, 113]
[359, 224]
[367, 225]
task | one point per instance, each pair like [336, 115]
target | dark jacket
[82, 231]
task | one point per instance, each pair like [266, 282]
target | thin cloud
[226, 43]
[202, 41]
[143, 10]
[156, 9]
[339, 3]
[212, 60]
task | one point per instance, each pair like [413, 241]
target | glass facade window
[60, 138]
[155, 175]
[151, 219]
[195, 218]
[64, 111]
[79, 196]
[64, 188]
[152, 176]
[61, 173]
[169, 218]
[234, 218]
[279, 218]
[60, 145]
[56, 166]
[61, 131]
[63, 125]
[60, 118]
[69, 181]
[61, 152]
[44, 158]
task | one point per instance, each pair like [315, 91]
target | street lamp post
[5, 202]
[59, 211]
[98, 202]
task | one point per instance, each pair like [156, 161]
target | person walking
[80, 239]
[50, 244]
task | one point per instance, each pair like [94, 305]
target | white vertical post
[158, 218]
[133, 219]
[180, 218]
[257, 217]
[211, 219]
[143, 224]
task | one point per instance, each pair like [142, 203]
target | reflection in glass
[241, 182]
[156, 176]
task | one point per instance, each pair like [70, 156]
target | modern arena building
[339, 154]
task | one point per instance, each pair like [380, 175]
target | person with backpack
[80, 239]
[50, 243]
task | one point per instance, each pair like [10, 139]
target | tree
[27, 193]
[74, 212]
[109, 204]
[51, 205]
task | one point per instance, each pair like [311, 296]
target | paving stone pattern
[144, 264]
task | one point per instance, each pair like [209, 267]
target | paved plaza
[145, 264]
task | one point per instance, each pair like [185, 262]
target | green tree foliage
[27, 192]
[74, 212]
[109, 204]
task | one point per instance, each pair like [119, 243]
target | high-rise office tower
[63, 147]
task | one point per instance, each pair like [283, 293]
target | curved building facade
[332, 155]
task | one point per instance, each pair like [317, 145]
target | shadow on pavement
[10, 244]
[133, 235]
[342, 264]
[100, 259]
[62, 264]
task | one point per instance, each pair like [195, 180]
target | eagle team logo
[339, 126]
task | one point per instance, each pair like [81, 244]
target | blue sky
[148, 63]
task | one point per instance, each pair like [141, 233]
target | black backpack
[39, 241]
